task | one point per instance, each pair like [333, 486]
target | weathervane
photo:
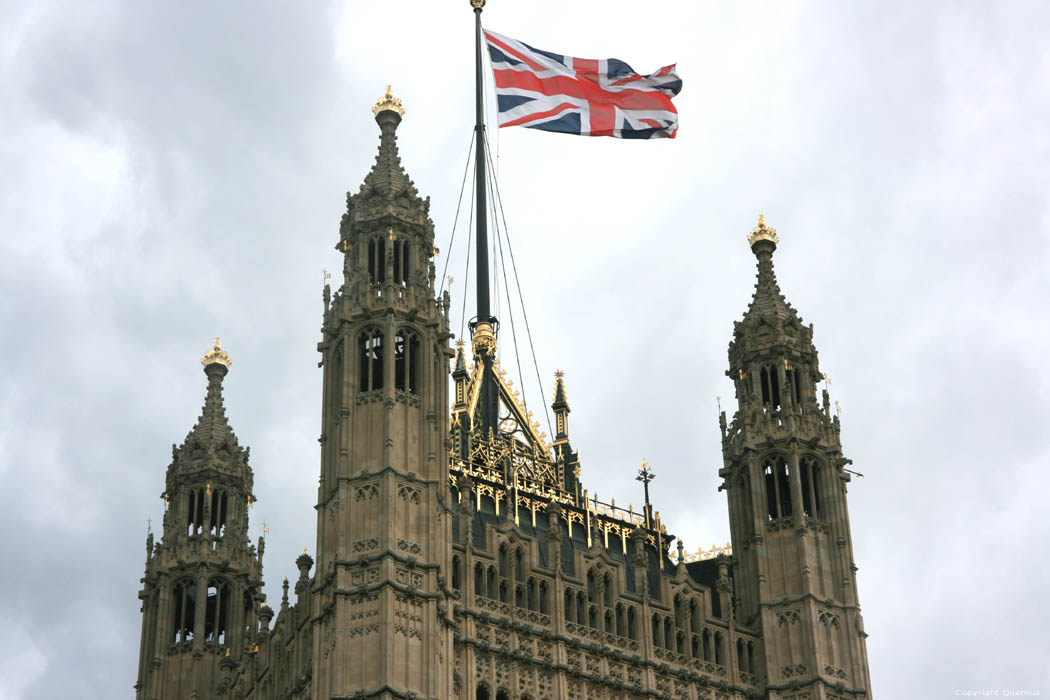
[645, 475]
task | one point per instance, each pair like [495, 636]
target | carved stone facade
[458, 555]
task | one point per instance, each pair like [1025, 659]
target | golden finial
[266, 528]
[216, 356]
[477, 4]
[149, 525]
[762, 232]
[390, 233]
[459, 344]
[304, 550]
[388, 103]
[208, 487]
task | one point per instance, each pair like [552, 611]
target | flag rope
[521, 300]
[455, 221]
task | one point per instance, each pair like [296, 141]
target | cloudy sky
[171, 172]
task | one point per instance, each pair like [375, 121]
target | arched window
[720, 656]
[503, 592]
[504, 567]
[696, 647]
[656, 631]
[519, 564]
[679, 612]
[632, 623]
[592, 616]
[217, 519]
[502, 695]
[492, 583]
[249, 611]
[706, 636]
[406, 362]
[621, 621]
[741, 658]
[694, 616]
[544, 598]
[668, 634]
[479, 580]
[370, 346]
[770, 387]
[184, 597]
[592, 587]
[519, 596]
[195, 514]
[531, 594]
[483, 693]
[581, 608]
[377, 260]
[607, 590]
[570, 599]
[680, 642]
[778, 488]
[401, 255]
[455, 573]
[810, 489]
[217, 611]
[751, 656]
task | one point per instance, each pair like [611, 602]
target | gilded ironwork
[216, 356]
[388, 103]
[762, 232]
[702, 555]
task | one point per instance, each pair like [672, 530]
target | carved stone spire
[771, 329]
[768, 301]
[211, 446]
[212, 429]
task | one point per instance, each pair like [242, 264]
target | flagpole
[483, 328]
[479, 161]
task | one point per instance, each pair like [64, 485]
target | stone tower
[459, 555]
[203, 577]
[379, 594]
[785, 475]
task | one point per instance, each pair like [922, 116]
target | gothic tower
[202, 579]
[785, 475]
[379, 592]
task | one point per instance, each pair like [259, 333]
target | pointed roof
[768, 301]
[388, 176]
[770, 321]
[387, 195]
[213, 428]
[561, 400]
[211, 445]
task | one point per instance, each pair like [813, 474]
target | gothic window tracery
[406, 354]
[809, 473]
[401, 258]
[770, 382]
[184, 610]
[376, 260]
[217, 611]
[195, 514]
[370, 349]
[778, 488]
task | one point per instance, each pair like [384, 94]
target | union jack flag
[549, 91]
